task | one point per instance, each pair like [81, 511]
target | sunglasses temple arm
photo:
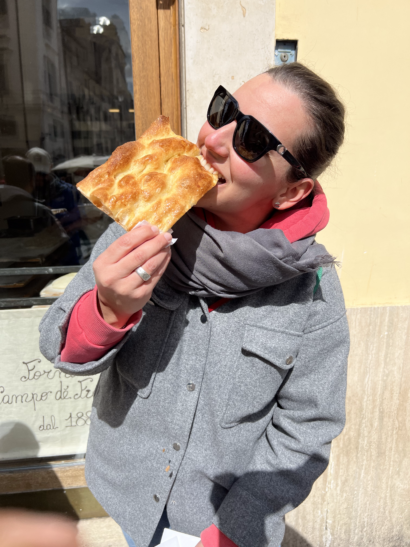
[294, 162]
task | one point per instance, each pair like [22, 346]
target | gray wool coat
[224, 417]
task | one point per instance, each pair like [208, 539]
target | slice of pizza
[157, 178]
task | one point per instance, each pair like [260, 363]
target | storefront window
[66, 102]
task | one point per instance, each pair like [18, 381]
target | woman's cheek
[241, 172]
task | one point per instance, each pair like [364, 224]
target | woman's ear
[293, 193]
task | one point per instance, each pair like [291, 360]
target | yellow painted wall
[362, 47]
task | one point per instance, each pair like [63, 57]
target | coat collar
[167, 297]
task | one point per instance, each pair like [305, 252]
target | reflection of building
[59, 81]
[32, 85]
[126, 46]
[98, 98]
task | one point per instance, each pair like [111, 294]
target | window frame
[156, 75]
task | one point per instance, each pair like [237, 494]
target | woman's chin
[209, 199]
[213, 197]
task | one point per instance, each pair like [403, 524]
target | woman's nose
[219, 141]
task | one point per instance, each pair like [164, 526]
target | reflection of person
[19, 173]
[223, 373]
[16, 196]
[24, 529]
[28, 229]
[60, 196]
[51, 190]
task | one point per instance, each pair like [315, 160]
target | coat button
[190, 387]
[289, 360]
[176, 446]
[203, 318]
[156, 498]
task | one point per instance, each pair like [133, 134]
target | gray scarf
[207, 262]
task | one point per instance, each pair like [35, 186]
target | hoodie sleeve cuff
[213, 537]
[97, 331]
[89, 337]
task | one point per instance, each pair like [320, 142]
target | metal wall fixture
[286, 52]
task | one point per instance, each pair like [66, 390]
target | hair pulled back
[315, 149]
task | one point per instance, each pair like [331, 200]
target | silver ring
[143, 274]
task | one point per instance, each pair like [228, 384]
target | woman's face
[251, 188]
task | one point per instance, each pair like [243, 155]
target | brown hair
[316, 149]
[19, 172]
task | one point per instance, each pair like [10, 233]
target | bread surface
[157, 178]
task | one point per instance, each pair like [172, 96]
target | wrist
[115, 319]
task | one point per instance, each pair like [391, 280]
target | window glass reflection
[66, 102]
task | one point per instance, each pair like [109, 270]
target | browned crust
[157, 178]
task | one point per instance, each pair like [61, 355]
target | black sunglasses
[251, 140]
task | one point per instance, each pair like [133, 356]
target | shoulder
[298, 305]
[115, 231]
[328, 303]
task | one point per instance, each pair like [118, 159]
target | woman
[217, 404]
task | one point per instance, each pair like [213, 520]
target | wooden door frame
[155, 62]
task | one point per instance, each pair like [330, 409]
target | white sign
[43, 411]
[171, 538]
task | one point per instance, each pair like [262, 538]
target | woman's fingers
[155, 267]
[144, 254]
[148, 286]
[136, 291]
[121, 291]
[152, 265]
[128, 242]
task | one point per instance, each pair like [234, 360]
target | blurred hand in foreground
[25, 529]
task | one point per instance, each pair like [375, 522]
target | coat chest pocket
[265, 359]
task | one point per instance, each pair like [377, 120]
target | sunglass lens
[221, 110]
[251, 139]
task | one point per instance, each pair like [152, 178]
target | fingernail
[141, 223]
[168, 236]
[155, 229]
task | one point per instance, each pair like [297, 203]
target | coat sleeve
[295, 449]
[54, 325]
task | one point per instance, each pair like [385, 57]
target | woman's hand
[121, 291]
[24, 529]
